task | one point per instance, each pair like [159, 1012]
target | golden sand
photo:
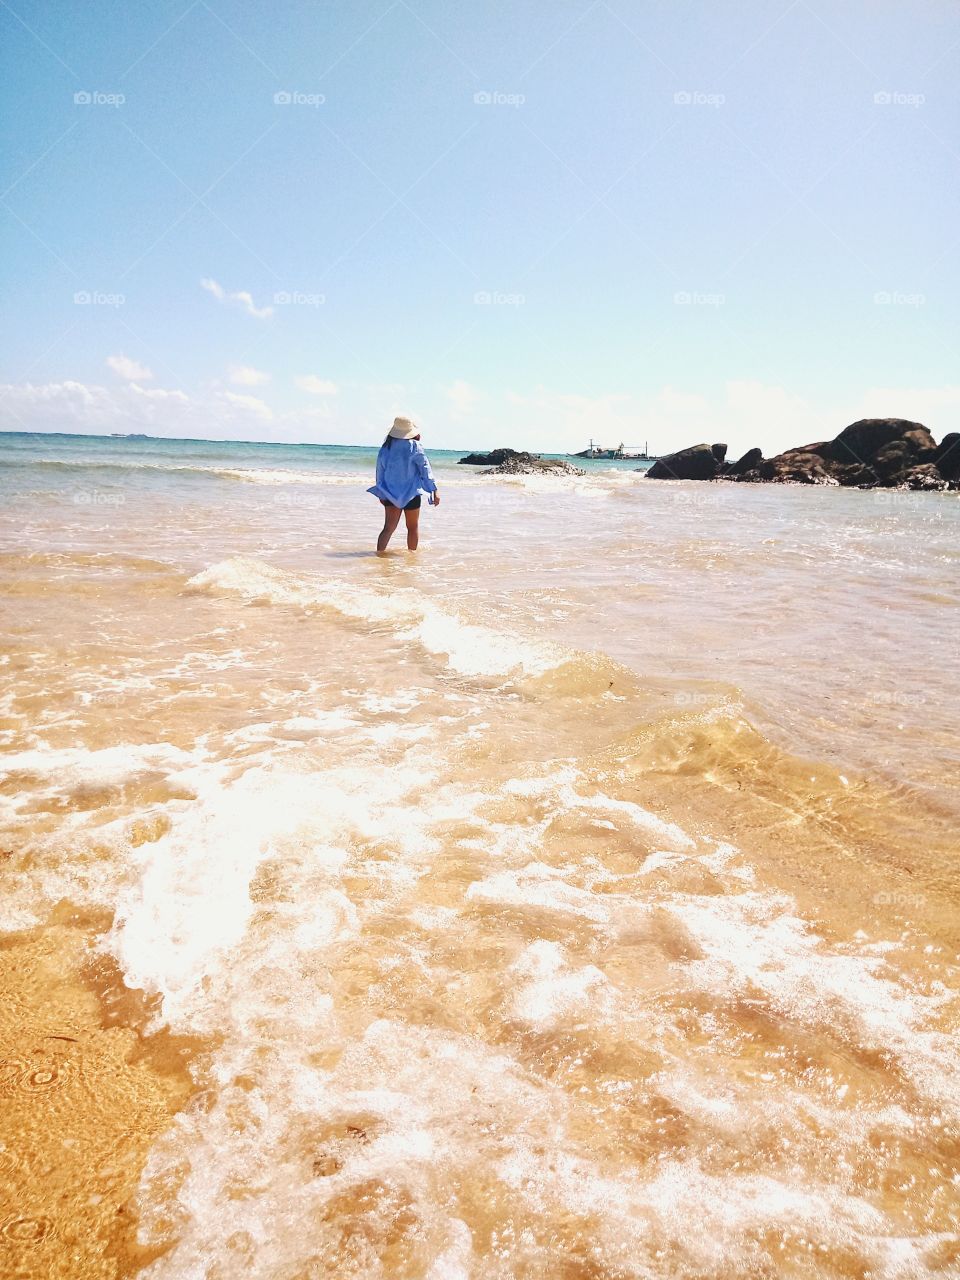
[83, 1095]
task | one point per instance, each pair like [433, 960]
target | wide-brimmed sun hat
[403, 429]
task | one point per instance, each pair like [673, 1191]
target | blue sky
[526, 223]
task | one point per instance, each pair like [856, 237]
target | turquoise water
[21, 452]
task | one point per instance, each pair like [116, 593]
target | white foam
[470, 650]
[552, 991]
[279, 476]
[754, 940]
[75, 765]
[595, 484]
[438, 1109]
[559, 788]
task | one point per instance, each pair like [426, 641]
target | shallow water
[576, 898]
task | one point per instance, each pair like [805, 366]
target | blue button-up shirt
[402, 472]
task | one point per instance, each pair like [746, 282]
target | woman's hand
[435, 498]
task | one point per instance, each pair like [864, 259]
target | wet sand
[585, 913]
[83, 1096]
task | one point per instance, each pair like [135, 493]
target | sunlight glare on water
[575, 899]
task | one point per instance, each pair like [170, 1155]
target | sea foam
[467, 648]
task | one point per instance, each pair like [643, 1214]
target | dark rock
[698, 462]
[868, 453]
[863, 440]
[947, 457]
[495, 458]
[854, 475]
[749, 462]
[796, 466]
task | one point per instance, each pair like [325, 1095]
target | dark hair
[387, 442]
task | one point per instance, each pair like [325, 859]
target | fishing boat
[622, 451]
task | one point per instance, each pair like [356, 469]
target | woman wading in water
[403, 474]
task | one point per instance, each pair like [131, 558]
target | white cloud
[132, 370]
[929, 405]
[249, 404]
[314, 415]
[743, 413]
[674, 401]
[159, 394]
[243, 375]
[241, 298]
[556, 422]
[317, 386]
[462, 397]
[75, 406]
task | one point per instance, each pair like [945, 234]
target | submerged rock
[526, 465]
[495, 458]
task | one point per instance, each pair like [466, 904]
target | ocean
[574, 899]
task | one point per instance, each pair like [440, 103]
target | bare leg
[391, 518]
[413, 529]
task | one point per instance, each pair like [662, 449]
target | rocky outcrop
[508, 462]
[495, 458]
[525, 465]
[752, 458]
[795, 466]
[870, 453]
[873, 452]
[925, 476]
[698, 462]
[872, 438]
[947, 457]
